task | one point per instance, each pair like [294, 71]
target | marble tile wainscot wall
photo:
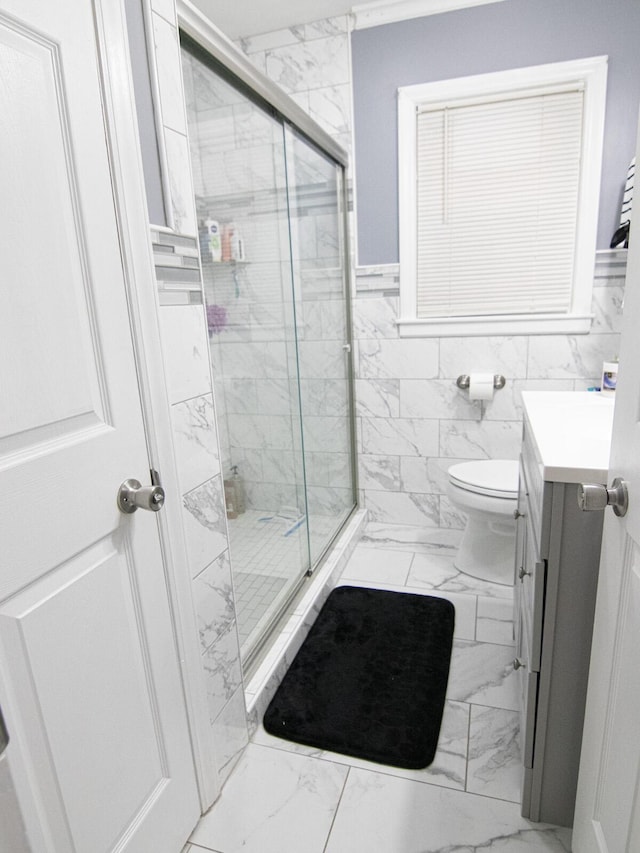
[412, 420]
[204, 520]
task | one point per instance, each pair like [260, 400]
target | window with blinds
[498, 188]
[499, 184]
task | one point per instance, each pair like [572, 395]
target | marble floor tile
[274, 802]
[381, 814]
[465, 606]
[289, 798]
[370, 564]
[483, 674]
[436, 571]
[495, 621]
[409, 537]
[495, 766]
[449, 766]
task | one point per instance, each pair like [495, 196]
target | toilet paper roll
[481, 386]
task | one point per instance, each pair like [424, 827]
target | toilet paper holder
[463, 381]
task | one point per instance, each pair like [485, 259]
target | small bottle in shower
[214, 239]
[229, 499]
[238, 490]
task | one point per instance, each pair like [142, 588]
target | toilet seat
[496, 478]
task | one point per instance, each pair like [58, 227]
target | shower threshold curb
[264, 682]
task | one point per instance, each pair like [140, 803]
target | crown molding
[389, 11]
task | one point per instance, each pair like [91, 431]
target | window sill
[514, 324]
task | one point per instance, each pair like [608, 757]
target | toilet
[486, 491]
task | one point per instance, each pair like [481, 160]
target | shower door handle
[346, 347]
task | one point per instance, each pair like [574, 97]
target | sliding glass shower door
[316, 218]
[276, 311]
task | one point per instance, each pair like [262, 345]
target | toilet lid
[496, 478]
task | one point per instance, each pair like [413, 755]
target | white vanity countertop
[572, 434]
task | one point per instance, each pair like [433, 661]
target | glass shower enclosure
[271, 210]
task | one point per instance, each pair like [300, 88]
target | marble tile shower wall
[412, 421]
[312, 64]
[240, 178]
[193, 409]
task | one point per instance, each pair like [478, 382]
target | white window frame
[591, 73]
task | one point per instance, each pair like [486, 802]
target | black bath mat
[370, 679]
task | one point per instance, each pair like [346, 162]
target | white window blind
[497, 202]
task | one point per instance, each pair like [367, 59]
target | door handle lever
[132, 495]
[594, 496]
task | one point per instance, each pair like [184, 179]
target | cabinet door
[531, 581]
[528, 682]
[527, 675]
[521, 522]
[530, 572]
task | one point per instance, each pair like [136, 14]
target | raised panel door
[90, 684]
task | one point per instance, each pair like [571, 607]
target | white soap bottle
[214, 239]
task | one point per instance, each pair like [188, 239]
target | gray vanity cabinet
[557, 559]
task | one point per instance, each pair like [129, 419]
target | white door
[89, 676]
[607, 814]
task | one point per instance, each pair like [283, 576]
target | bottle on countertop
[609, 377]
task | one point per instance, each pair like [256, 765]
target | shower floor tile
[254, 594]
[269, 556]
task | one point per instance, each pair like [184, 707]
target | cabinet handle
[517, 514]
[523, 573]
[518, 663]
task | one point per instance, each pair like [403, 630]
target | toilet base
[487, 550]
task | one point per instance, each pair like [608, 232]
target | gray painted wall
[499, 36]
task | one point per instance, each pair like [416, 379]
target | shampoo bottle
[229, 498]
[214, 239]
[227, 235]
[238, 490]
[237, 246]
